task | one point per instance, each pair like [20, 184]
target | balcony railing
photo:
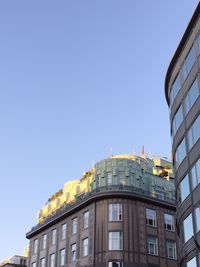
[109, 188]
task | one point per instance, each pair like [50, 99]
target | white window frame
[115, 240]
[74, 225]
[151, 220]
[115, 207]
[85, 247]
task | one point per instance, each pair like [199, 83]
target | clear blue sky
[76, 78]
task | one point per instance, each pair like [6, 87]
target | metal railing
[109, 188]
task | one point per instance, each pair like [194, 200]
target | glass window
[52, 260]
[194, 132]
[198, 42]
[85, 247]
[189, 62]
[178, 118]
[184, 188]
[151, 217]
[171, 249]
[192, 263]
[114, 264]
[115, 240]
[152, 244]
[74, 226]
[195, 174]
[176, 86]
[115, 212]
[53, 237]
[188, 228]
[73, 252]
[109, 179]
[85, 219]
[42, 262]
[191, 96]
[35, 246]
[180, 153]
[63, 231]
[44, 241]
[169, 222]
[197, 218]
[62, 257]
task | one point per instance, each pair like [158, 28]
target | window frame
[174, 252]
[155, 245]
[154, 220]
[74, 225]
[119, 210]
[172, 224]
[85, 246]
[112, 241]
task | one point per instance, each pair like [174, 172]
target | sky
[77, 79]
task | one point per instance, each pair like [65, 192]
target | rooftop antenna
[143, 153]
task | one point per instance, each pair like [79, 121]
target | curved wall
[182, 87]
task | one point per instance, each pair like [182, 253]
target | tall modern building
[182, 89]
[121, 213]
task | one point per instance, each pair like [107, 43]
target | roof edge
[180, 47]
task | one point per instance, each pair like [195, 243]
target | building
[182, 90]
[120, 213]
[15, 261]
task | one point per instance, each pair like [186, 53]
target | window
[114, 264]
[62, 257]
[109, 179]
[192, 263]
[44, 241]
[191, 96]
[151, 217]
[52, 260]
[85, 247]
[152, 244]
[115, 212]
[122, 179]
[197, 218]
[35, 246]
[42, 262]
[115, 240]
[171, 249]
[73, 252]
[33, 264]
[74, 226]
[195, 174]
[194, 132]
[53, 237]
[169, 222]
[189, 62]
[176, 86]
[184, 188]
[180, 153]
[198, 42]
[85, 219]
[178, 118]
[63, 231]
[188, 228]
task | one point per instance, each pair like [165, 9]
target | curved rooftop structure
[121, 172]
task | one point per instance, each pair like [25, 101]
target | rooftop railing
[109, 188]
